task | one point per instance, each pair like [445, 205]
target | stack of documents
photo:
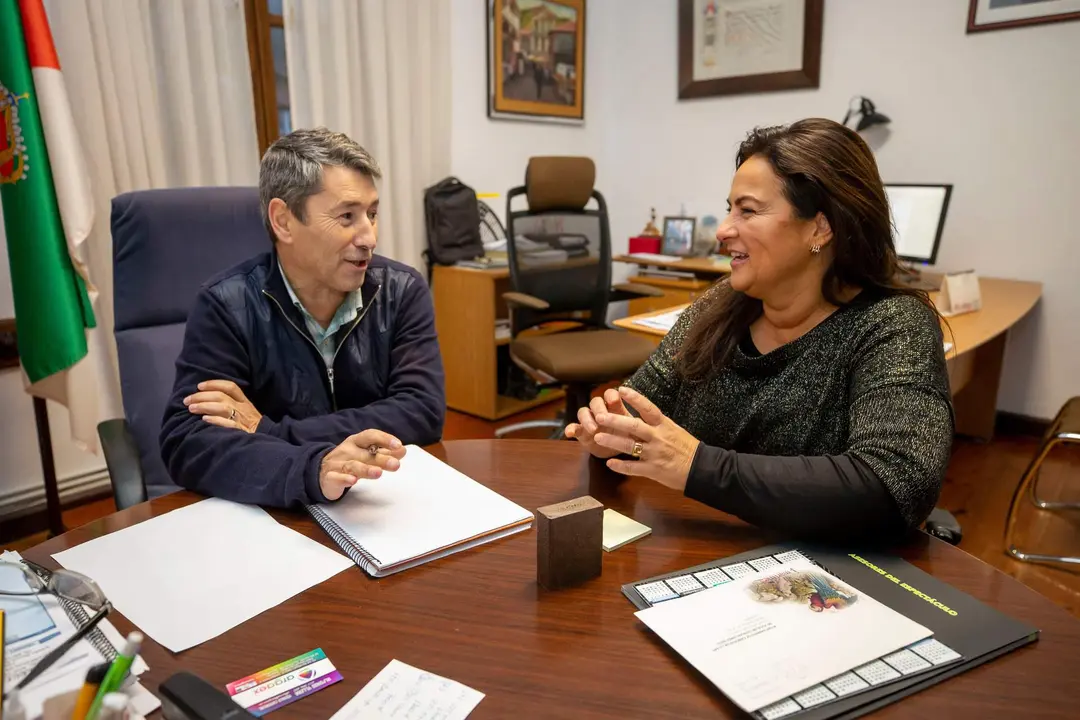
[655, 257]
[664, 321]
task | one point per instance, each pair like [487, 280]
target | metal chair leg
[1028, 482]
[1051, 505]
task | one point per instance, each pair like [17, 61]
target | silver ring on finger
[373, 450]
[635, 451]
[232, 414]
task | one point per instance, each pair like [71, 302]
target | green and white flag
[48, 210]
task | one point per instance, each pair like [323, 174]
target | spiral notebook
[424, 511]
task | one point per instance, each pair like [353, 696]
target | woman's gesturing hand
[664, 450]
[584, 430]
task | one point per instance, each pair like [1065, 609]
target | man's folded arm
[228, 463]
[415, 408]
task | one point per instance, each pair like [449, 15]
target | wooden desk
[467, 303]
[976, 357]
[676, 290]
[479, 617]
[702, 266]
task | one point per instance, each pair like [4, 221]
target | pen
[116, 673]
[94, 676]
[60, 650]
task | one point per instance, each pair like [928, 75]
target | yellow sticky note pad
[620, 530]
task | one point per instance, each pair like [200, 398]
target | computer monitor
[918, 214]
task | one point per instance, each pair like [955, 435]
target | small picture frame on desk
[679, 236]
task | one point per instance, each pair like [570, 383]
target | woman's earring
[816, 249]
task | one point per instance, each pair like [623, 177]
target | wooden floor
[978, 488]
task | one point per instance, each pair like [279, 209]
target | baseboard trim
[1007, 423]
[19, 503]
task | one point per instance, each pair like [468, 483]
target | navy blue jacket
[388, 375]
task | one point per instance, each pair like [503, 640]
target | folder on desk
[966, 632]
[423, 511]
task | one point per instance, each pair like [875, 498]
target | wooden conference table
[975, 360]
[479, 617]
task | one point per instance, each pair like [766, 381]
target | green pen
[117, 671]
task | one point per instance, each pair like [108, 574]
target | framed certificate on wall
[1002, 14]
[728, 47]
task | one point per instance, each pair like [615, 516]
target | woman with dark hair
[808, 393]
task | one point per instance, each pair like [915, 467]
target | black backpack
[452, 214]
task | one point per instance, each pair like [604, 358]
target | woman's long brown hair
[824, 167]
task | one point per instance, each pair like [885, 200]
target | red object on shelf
[645, 244]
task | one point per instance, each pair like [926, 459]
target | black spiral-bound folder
[79, 617]
[975, 631]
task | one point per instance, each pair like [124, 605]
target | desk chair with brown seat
[559, 253]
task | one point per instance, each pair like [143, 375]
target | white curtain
[378, 71]
[161, 92]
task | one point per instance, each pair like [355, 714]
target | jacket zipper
[329, 370]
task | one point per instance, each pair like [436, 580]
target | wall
[993, 113]
[21, 479]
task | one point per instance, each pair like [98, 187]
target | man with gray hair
[313, 365]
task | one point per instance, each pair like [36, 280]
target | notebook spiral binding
[368, 562]
[78, 615]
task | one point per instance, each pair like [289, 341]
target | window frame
[259, 21]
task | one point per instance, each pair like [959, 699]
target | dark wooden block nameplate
[569, 542]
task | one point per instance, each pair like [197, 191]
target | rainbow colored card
[284, 683]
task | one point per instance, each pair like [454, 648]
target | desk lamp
[869, 116]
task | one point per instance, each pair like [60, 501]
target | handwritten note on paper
[402, 692]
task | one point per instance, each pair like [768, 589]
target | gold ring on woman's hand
[636, 450]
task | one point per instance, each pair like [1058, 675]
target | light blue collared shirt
[324, 337]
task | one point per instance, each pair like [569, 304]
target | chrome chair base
[1065, 428]
[529, 424]
[1036, 557]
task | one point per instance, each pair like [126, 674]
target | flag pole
[48, 468]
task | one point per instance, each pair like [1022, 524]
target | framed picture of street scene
[536, 60]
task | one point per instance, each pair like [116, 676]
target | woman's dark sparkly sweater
[845, 431]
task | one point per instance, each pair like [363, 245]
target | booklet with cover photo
[768, 635]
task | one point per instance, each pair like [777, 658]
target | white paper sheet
[402, 692]
[194, 573]
[663, 321]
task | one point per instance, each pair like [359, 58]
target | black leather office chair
[559, 253]
[166, 244]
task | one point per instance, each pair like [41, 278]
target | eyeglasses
[30, 579]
